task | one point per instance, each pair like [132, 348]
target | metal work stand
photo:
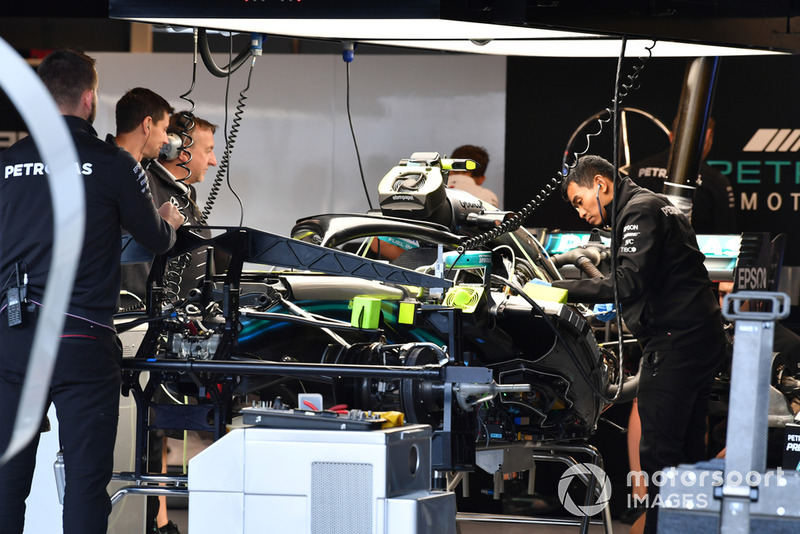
[738, 495]
[514, 458]
[749, 402]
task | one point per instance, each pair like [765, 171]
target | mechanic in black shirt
[85, 386]
[142, 118]
[667, 303]
[714, 204]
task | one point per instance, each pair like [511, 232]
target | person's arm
[636, 261]
[138, 214]
[170, 213]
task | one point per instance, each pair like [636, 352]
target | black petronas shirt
[117, 195]
[664, 289]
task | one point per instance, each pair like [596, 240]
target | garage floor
[180, 517]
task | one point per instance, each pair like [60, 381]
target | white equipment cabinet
[318, 482]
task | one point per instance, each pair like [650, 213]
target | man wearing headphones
[667, 302]
[183, 162]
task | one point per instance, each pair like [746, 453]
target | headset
[179, 139]
[172, 148]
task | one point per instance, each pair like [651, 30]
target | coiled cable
[223, 170]
[516, 220]
[186, 121]
[173, 276]
[173, 273]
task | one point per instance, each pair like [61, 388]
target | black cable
[603, 119]
[173, 273]
[231, 67]
[231, 135]
[187, 122]
[124, 327]
[516, 220]
[615, 163]
[173, 276]
[355, 143]
[223, 170]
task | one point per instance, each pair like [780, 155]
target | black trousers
[85, 389]
[673, 406]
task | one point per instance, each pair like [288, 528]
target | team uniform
[667, 302]
[86, 383]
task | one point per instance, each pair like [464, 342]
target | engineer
[172, 177]
[667, 302]
[85, 386]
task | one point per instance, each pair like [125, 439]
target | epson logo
[751, 278]
[468, 204]
[402, 197]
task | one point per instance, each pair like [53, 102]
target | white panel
[294, 155]
[215, 513]
[219, 467]
[285, 467]
[274, 513]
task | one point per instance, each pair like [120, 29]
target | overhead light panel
[585, 46]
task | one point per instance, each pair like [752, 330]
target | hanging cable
[173, 276]
[223, 170]
[173, 273]
[516, 220]
[186, 118]
[347, 56]
[617, 97]
[208, 60]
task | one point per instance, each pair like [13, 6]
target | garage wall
[294, 154]
[755, 97]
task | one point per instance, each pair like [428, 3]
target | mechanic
[714, 204]
[142, 122]
[472, 181]
[85, 386]
[666, 300]
[172, 178]
[142, 119]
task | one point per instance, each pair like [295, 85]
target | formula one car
[455, 332]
